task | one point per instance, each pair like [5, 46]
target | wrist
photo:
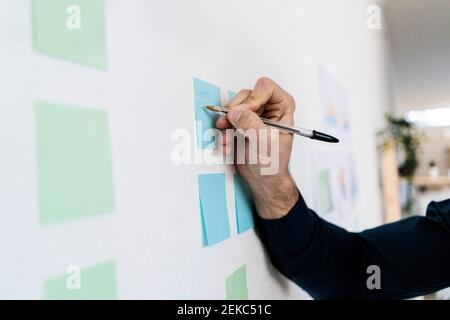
[275, 197]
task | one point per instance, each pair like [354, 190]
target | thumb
[243, 118]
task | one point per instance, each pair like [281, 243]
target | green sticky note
[236, 285]
[74, 165]
[71, 29]
[325, 191]
[91, 283]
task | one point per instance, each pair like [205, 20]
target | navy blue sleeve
[328, 262]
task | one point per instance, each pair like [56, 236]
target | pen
[312, 134]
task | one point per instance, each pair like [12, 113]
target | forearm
[315, 254]
[328, 262]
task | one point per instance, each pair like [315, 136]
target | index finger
[266, 91]
[222, 122]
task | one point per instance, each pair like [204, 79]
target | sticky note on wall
[243, 205]
[236, 285]
[74, 165]
[213, 208]
[325, 191]
[97, 282]
[71, 29]
[205, 94]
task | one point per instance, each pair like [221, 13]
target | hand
[274, 194]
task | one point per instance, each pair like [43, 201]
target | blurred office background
[418, 44]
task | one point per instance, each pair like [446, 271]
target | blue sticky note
[243, 205]
[213, 208]
[204, 237]
[205, 94]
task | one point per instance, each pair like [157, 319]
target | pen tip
[324, 137]
[211, 108]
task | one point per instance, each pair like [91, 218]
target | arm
[331, 263]
[327, 261]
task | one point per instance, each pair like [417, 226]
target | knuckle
[253, 97]
[290, 102]
[245, 92]
[264, 80]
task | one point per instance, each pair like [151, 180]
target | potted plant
[404, 134]
[433, 169]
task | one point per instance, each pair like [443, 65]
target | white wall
[154, 49]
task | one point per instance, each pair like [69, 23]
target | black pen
[312, 134]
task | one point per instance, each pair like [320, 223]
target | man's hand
[275, 194]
